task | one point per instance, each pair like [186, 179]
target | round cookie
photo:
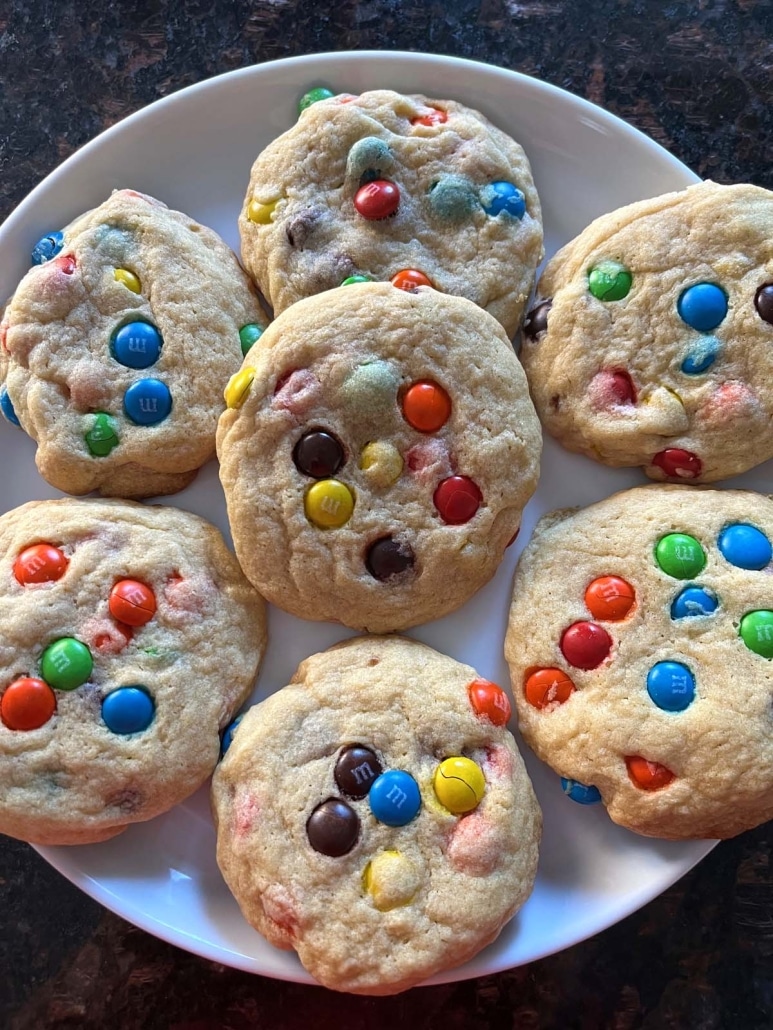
[640, 646]
[117, 345]
[394, 187]
[128, 639]
[651, 339]
[376, 816]
[376, 454]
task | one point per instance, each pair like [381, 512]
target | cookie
[377, 451]
[399, 188]
[128, 639]
[375, 815]
[651, 339]
[640, 645]
[117, 345]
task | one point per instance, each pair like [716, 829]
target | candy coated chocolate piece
[388, 557]
[548, 688]
[585, 645]
[395, 798]
[490, 701]
[426, 406]
[756, 631]
[609, 280]
[228, 734]
[680, 555]
[147, 402]
[671, 685]
[409, 278]
[249, 335]
[65, 264]
[647, 775]
[7, 407]
[382, 462]
[235, 393]
[314, 96]
[610, 598]
[329, 504]
[128, 710]
[621, 386]
[457, 499]
[351, 280]
[453, 198]
[136, 345]
[27, 704]
[261, 214]
[763, 302]
[368, 159]
[678, 463]
[701, 355]
[391, 880]
[318, 454]
[693, 601]
[132, 602]
[433, 117]
[503, 198]
[66, 664]
[102, 435]
[333, 828]
[377, 199]
[745, 546]
[702, 306]
[128, 279]
[536, 321]
[40, 563]
[459, 784]
[582, 793]
[356, 769]
[47, 247]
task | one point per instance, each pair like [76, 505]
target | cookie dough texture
[719, 748]
[341, 362]
[470, 873]
[57, 333]
[724, 416]
[315, 237]
[73, 781]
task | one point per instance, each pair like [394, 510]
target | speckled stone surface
[698, 77]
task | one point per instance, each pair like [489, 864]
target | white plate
[194, 150]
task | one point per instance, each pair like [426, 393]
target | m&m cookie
[650, 342]
[128, 639]
[394, 188]
[375, 815]
[117, 345]
[376, 454]
[640, 646]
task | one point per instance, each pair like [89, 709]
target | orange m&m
[433, 117]
[610, 598]
[41, 563]
[27, 704]
[426, 406]
[132, 602]
[647, 775]
[547, 688]
[490, 700]
[409, 279]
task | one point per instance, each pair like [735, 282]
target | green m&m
[680, 555]
[756, 631]
[350, 280]
[66, 664]
[609, 280]
[314, 95]
[102, 436]
[249, 334]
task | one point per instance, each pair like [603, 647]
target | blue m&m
[7, 407]
[128, 710]
[136, 345]
[693, 601]
[47, 247]
[395, 798]
[745, 546]
[228, 734]
[702, 306]
[147, 402]
[503, 198]
[671, 686]
[701, 356]
[580, 792]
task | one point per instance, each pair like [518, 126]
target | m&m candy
[318, 454]
[503, 198]
[66, 664]
[377, 199]
[391, 880]
[235, 393]
[47, 247]
[147, 402]
[680, 555]
[409, 278]
[333, 828]
[132, 602]
[693, 601]
[702, 306]
[136, 345]
[585, 645]
[426, 406]
[609, 281]
[678, 463]
[756, 631]
[610, 598]
[459, 784]
[7, 409]
[489, 700]
[313, 96]
[40, 563]
[647, 775]
[27, 704]
[582, 793]
[745, 546]
[128, 710]
[128, 279]
[671, 685]
[395, 798]
[248, 336]
[457, 499]
[547, 688]
[329, 504]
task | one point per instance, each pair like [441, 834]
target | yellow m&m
[382, 463]
[238, 387]
[391, 880]
[128, 279]
[329, 504]
[459, 784]
[261, 213]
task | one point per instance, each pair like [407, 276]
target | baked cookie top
[397, 188]
[376, 816]
[378, 449]
[117, 346]
[640, 646]
[128, 638]
[651, 339]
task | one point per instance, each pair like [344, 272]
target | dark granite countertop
[698, 77]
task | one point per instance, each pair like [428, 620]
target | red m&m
[377, 199]
[585, 645]
[41, 563]
[27, 704]
[132, 602]
[457, 499]
[678, 463]
[489, 700]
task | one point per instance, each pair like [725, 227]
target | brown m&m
[388, 557]
[333, 828]
[356, 769]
